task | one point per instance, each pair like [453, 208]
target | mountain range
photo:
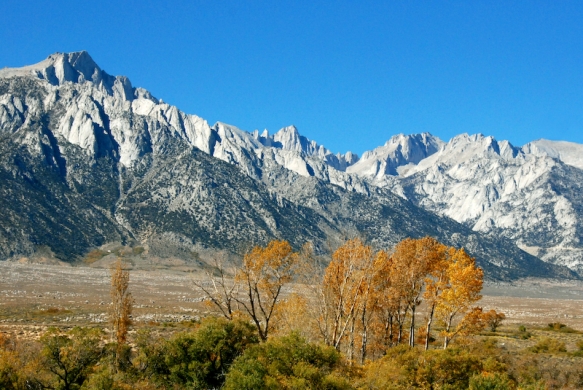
[87, 159]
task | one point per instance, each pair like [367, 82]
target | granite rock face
[86, 158]
[530, 195]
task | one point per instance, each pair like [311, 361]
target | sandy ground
[35, 296]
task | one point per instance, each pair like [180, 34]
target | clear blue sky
[349, 74]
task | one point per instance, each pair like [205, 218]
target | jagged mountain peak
[463, 149]
[289, 138]
[465, 146]
[124, 156]
[291, 129]
[58, 68]
[414, 147]
[79, 61]
[75, 67]
[399, 151]
[478, 139]
[402, 138]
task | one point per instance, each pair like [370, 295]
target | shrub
[490, 381]
[522, 333]
[559, 327]
[538, 385]
[405, 367]
[450, 368]
[196, 359]
[493, 319]
[556, 326]
[94, 255]
[579, 351]
[289, 363]
[549, 345]
[9, 366]
[395, 370]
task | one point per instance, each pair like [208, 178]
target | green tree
[287, 363]
[70, 357]
[198, 359]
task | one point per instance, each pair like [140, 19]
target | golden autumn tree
[292, 314]
[435, 282]
[302, 309]
[493, 319]
[121, 303]
[411, 263]
[398, 306]
[391, 304]
[345, 292]
[120, 311]
[386, 302]
[367, 304]
[261, 278]
[464, 284]
[375, 303]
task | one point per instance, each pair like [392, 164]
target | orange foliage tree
[464, 284]
[345, 292]
[387, 301]
[435, 282]
[262, 276]
[361, 302]
[369, 296]
[121, 303]
[493, 319]
[412, 261]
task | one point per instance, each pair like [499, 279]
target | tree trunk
[428, 329]
[389, 331]
[400, 334]
[364, 337]
[446, 338]
[412, 328]
[351, 340]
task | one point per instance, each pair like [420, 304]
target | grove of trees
[363, 301]
[368, 319]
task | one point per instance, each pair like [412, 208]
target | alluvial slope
[86, 158]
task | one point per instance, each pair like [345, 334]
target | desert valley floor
[36, 296]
